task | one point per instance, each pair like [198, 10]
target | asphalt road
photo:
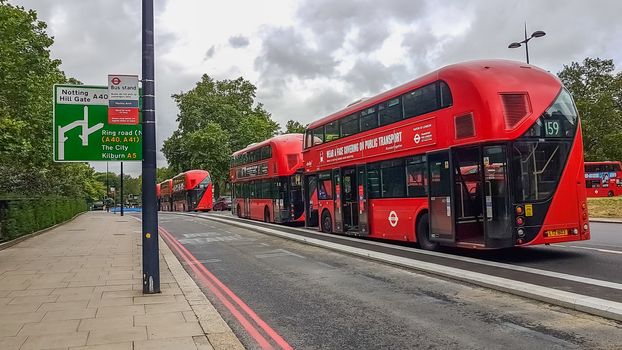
[598, 258]
[319, 299]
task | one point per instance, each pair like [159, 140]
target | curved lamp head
[513, 45]
[538, 34]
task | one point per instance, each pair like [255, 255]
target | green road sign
[81, 129]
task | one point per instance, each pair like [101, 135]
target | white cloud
[309, 58]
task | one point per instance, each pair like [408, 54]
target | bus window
[369, 119]
[393, 181]
[373, 180]
[318, 136]
[332, 131]
[416, 179]
[390, 111]
[349, 125]
[325, 189]
[420, 101]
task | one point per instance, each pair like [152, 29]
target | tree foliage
[215, 119]
[294, 127]
[597, 91]
[27, 75]
[164, 173]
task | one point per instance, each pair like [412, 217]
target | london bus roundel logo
[393, 219]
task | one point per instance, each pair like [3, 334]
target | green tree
[164, 173]
[27, 75]
[597, 91]
[216, 118]
[294, 127]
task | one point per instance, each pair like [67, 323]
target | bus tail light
[520, 221]
[521, 233]
[519, 210]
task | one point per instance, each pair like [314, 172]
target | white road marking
[277, 253]
[590, 248]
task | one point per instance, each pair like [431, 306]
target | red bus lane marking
[194, 264]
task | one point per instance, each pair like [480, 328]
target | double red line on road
[242, 312]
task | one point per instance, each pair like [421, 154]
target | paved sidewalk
[78, 286]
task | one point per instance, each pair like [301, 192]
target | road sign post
[81, 129]
[151, 263]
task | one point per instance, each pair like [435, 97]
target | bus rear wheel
[423, 233]
[327, 222]
[610, 194]
[266, 214]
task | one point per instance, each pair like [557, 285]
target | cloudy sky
[309, 58]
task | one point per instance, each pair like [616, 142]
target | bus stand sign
[82, 132]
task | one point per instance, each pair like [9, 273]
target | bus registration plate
[557, 233]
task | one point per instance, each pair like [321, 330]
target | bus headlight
[585, 227]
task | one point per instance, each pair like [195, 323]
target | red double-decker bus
[603, 179]
[192, 191]
[482, 154]
[267, 180]
[166, 191]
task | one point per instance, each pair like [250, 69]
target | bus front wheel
[423, 233]
[327, 222]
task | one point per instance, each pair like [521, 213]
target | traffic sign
[123, 99]
[81, 129]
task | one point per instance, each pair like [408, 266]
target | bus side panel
[257, 209]
[394, 218]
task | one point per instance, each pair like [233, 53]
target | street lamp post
[536, 34]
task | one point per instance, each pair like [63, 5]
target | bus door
[338, 202]
[311, 200]
[498, 228]
[468, 195]
[440, 197]
[361, 195]
[349, 199]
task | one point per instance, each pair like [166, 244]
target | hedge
[22, 216]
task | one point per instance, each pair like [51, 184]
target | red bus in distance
[192, 191]
[267, 180]
[158, 195]
[166, 191]
[603, 179]
[482, 154]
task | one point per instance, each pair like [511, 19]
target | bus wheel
[610, 194]
[423, 233]
[266, 214]
[327, 222]
[239, 211]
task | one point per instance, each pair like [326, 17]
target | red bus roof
[280, 142]
[165, 187]
[285, 158]
[482, 75]
[191, 178]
